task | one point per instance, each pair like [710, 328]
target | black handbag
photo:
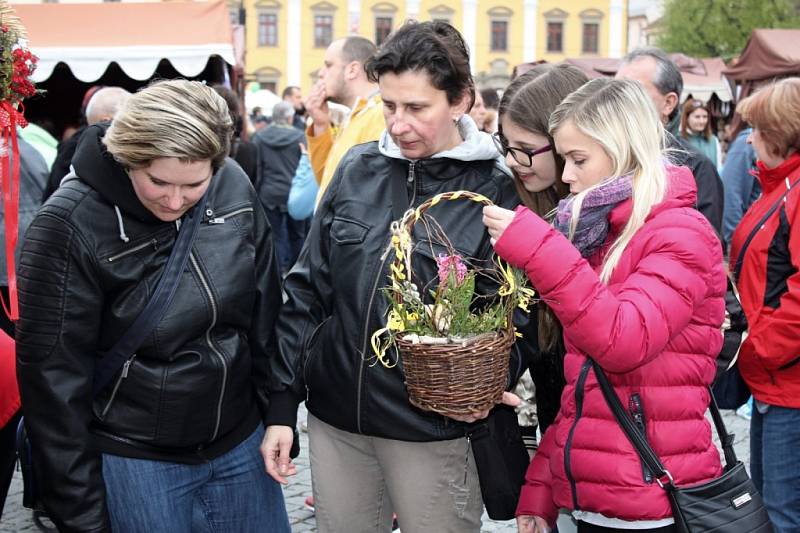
[501, 460]
[113, 360]
[730, 389]
[728, 504]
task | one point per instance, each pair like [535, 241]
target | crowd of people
[627, 233]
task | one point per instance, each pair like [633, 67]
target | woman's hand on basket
[496, 219]
[532, 524]
[509, 398]
[275, 450]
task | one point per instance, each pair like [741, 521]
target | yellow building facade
[286, 39]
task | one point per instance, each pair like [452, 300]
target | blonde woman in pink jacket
[635, 276]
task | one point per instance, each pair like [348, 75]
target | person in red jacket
[765, 250]
[635, 276]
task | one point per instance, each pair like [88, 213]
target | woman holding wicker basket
[372, 452]
[639, 289]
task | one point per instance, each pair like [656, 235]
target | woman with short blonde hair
[635, 276]
[171, 442]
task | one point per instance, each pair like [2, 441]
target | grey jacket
[33, 175]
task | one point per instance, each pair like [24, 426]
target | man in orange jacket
[342, 80]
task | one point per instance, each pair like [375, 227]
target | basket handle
[413, 215]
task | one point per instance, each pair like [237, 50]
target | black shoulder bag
[728, 504]
[730, 389]
[113, 360]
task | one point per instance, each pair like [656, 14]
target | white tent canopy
[136, 36]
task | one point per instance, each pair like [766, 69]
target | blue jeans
[775, 464]
[231, 493]
[288, 235]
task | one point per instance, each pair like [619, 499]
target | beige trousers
[359, 481]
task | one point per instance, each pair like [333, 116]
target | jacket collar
[771, 178]
[681, 192]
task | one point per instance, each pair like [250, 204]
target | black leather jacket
[196, 388]
[334, 293]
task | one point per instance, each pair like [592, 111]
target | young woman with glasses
[528, 147]
[634, 274]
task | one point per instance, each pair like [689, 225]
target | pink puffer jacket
[654, 329]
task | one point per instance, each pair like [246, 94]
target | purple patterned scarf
[593, 222]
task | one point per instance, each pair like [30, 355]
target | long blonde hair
[621, 118]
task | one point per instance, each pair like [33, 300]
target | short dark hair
[357, 48]
[434, 47]
[234, 106]
[289, 90]
[668, 78]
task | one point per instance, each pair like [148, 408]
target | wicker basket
[456, 378]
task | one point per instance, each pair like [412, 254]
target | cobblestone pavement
[17, 519]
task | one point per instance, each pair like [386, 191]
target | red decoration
[17, 64]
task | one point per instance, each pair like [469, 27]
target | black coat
[60, 168]
[197, 386]
[710, 193]
[334, 293]
[279, 154]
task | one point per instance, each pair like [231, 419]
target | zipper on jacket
[567, 447]
[221, 219]
[210, 343]
[124, 374]
[412, 183]
[151, 242]
[637, 413]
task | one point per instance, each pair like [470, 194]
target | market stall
[123, 44]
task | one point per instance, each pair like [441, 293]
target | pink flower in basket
[448, 264]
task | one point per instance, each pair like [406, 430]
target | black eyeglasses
[520, 155]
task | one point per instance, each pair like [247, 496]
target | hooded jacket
[769, 286]
[654, 329]
[335, 301]
[196, 387]
[279, 153]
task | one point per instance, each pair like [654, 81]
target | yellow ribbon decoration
[395, 322]
[379, 348]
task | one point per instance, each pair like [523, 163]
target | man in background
[663, 82]
[343, 80]
[292, 95]
[102, 105]
[279, 151]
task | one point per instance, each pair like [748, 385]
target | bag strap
[737, 270]
[162, 297]
[640, 444]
